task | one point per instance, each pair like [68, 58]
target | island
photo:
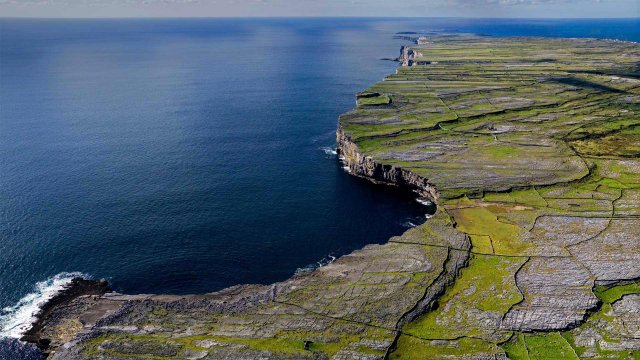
[530, 147]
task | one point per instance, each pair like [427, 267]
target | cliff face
[368, 168]
[533, 249]
[408, 55]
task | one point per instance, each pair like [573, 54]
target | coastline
[83, 296]
[451, 245]
[77, 287]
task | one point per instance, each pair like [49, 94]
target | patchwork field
[533, 146]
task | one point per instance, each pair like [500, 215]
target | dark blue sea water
[185, 156]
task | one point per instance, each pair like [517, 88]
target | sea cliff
[366, 167]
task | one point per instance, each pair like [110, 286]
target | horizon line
[321, 17]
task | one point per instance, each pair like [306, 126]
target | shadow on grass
[586, 84]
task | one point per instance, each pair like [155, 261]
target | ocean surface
[185, 156]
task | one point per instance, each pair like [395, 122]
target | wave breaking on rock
[17, 319]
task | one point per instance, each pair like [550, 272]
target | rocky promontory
[57, 310]
[530, 147]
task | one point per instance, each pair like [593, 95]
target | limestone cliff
[366, 167]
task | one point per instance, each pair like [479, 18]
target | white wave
[408, 224]
[326, 261]
[15, 320]
[307, 269]
[329, 151]
[345, 167]
[425, 201]
[311, 267]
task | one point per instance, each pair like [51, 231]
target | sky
[355, 8]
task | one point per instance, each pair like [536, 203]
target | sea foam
[408, 224]
[15, 320]
[329, 151]
[424, 201]
[312, 267]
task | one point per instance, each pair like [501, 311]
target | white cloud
[426, 8]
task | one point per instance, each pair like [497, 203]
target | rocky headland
[531, 149]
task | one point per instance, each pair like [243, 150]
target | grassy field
[534, 147]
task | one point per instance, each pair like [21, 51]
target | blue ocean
[188, 155]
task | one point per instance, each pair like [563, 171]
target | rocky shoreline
[529, 152]
[50, 311]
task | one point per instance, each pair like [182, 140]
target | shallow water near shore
[185, 156]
